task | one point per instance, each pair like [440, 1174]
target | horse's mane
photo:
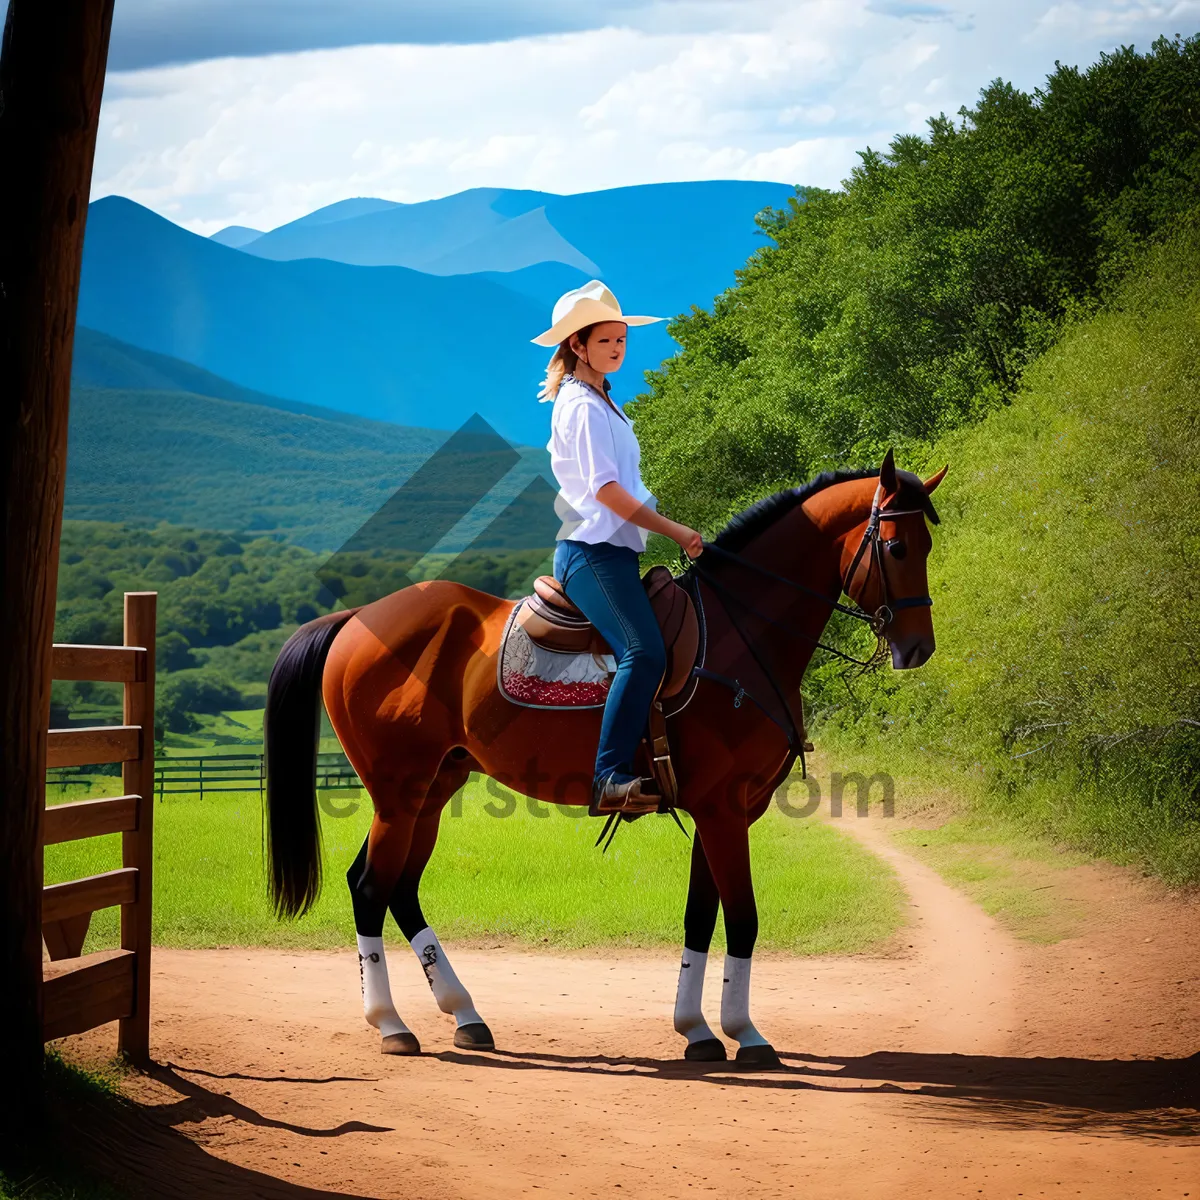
[762, 514]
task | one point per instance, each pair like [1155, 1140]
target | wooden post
[51, 79]
[137, 845]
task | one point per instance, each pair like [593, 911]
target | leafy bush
[172, 652]
[1068, 669]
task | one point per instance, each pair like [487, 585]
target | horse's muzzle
[913, 651]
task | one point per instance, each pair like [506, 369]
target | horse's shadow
[198, 1103]
[1149, 1097]
[145, 1154]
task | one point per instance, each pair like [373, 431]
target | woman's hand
[689, 540]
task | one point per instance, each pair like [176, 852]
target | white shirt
[591, 445]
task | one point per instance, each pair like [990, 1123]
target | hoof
[758, 1056]
[400, 1043]
[476, 1036]
[710, 1050]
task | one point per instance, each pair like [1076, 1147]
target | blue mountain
[103, 362]
[383, 342]
[404, 235]
[236, 236]
[699, 231]
[329, 310]
[342, 210]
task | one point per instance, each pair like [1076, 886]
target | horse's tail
[291, 734]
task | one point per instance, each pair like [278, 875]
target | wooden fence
[80, 993]
[196, 774]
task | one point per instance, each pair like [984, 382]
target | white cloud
[765, 89]
[1115, 22]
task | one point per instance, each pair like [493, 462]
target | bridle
[871, 542]
[884, 614]
[878, 621]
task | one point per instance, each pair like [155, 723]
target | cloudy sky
[253, 112]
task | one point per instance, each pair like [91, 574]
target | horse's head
[884, 563]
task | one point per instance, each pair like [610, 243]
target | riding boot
[632, 796]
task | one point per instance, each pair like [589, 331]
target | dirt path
[903, 1075]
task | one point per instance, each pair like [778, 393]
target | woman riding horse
[595, 458]
[410, 685]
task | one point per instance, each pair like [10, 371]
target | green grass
[534, 880]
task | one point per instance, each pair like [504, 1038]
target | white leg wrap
[377, 991]
[449, 993]
[689, 1019]
[735, 1004]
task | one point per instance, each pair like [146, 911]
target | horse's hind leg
[372, 878]
[451, 996]
[369, 889]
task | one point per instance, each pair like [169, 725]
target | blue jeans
[604, 582]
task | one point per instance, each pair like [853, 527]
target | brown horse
[410, 685]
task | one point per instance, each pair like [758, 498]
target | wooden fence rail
[111, 985]
[197, 774]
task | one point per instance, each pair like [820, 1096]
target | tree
[51, 81]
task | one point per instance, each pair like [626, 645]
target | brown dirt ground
[968, 1064]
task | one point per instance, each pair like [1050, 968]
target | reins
[720, 587]
[877, 620]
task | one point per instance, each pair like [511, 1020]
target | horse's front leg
[699, 921]
[726, 844]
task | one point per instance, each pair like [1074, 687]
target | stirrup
[623, 798]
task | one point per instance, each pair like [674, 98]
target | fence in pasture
[115, 984]
[198, 774]
[241, 773]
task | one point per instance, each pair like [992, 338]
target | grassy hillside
[967, 296]
[148, 456]
[1066, 683]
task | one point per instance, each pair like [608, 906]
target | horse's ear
[932, 482]
[887, 473]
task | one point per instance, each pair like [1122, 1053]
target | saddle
[551, 621]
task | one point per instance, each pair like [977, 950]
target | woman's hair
[563, 362]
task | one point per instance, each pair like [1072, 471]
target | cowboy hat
[582, 307]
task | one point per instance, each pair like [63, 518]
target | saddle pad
[535, 677]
